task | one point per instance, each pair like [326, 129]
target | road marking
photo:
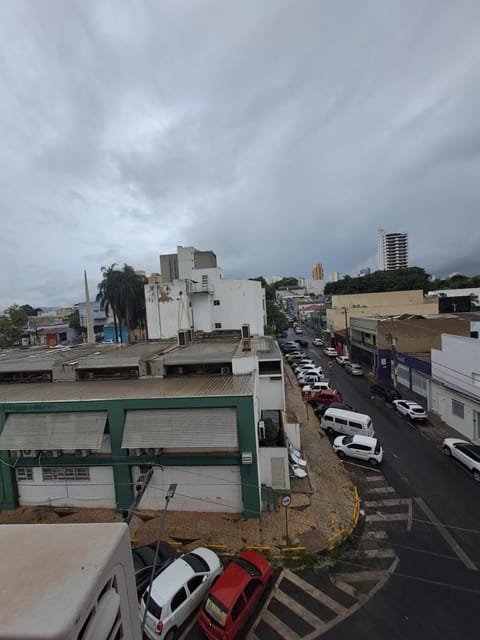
[386, 502]
[277, 625]
[379, 553]
[381, 490]
[375, 478]
[363, 576]
[304, 614]
[360, 466]
[375, 535]
[386, 517]
[314, 592]
[447, 536]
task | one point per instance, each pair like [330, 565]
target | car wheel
[171, 634]
[330, 431]
[476, 475]
[447, 451]
[373, 462]
[340, 453]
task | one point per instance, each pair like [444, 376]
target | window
[194, 582]
[341, 421]
[251, 587]
[216, 303]
[458, 409]
[355, 425]
[24, 473]
[204, 282]
[238, 607]
[60, 474]
[218, 325]
[179, 598]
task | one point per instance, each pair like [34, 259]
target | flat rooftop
[179, 387]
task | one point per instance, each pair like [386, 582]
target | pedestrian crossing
[305, 604]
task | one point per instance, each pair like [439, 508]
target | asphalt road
[435, 589]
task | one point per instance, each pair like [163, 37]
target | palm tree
[122, 291]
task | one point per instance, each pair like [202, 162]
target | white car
[330, 351]
[317, 342]
[298, 330]
[178, 591]
[342, 360]
[300, 363]
[361, 447]
[410, 409]
[313, 387]
[466, 453]
[297, 471]
[353, 368]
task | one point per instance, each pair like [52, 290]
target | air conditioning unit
[261, 430]
[29, 453]
[182, 338]
[245, 331]
[189, 333]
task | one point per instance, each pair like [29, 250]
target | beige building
[382, 303]
[317, 271]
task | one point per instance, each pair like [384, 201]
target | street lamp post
[169, 495]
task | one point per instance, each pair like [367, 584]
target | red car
[326, 396]
[233, 598]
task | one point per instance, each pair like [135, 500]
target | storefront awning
[50, 431]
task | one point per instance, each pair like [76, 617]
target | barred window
[458, 409]
[216, 303]
[24, 473]
[61, 474]
[218, 325]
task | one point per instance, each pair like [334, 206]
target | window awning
[214, 428]
[49, 431]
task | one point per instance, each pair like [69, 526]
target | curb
[339, 537]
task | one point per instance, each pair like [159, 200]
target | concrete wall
[274, 457]
[198, 489]
[98, 492]
[419, 335]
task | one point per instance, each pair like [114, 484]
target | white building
[201, 300]
[455, 385]
[392, 250]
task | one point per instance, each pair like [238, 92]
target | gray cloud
[276, 134]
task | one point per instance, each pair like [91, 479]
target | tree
[122, 292]
[12, 323]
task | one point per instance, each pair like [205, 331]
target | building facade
[455, 384]
[392, 250]
[317, 271]
[192, 414]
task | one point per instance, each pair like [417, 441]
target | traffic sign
[286, 500]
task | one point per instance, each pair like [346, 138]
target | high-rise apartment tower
[317, 272]
[392, 250]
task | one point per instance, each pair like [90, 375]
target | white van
[349, 423]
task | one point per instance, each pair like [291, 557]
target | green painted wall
[122, 463]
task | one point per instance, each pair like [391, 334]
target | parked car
[317, 342]
[296, 471]
[298, 330]
[143, 559]
[298, 364]
[311, 382]
[466, 453]
[410, 409]
[353, 369]
[342, 360]
[293, 355]
[330, 351]
[326, 396]
[386, 393]
[233, 599]
[361, 447]
[177, 592]
[306, 368]
[321, 408]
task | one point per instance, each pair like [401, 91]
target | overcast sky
[276, 133]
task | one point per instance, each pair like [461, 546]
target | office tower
[392, 250]
[317, 272]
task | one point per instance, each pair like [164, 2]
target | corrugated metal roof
[213, 428]
[180, 387]
[49, 431]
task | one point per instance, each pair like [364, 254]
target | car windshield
[216, 610]
[417, 409]
[197, 563]
[347, 440]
